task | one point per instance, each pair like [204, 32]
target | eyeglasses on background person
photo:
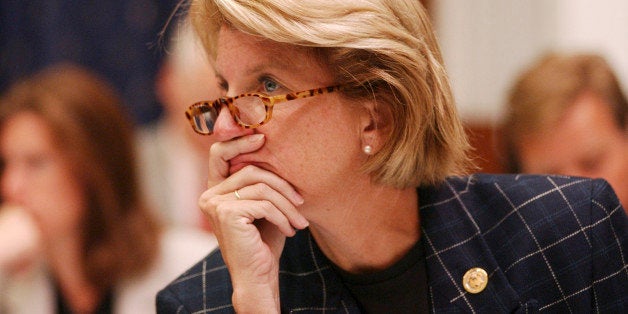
[249, 110]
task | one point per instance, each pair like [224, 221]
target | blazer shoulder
[534, 187]
[528, 187]
[532, 180]
[206, 285]
[490, 198]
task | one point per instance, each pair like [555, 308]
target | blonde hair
[543, 92]
[84, 114]
[388, 51]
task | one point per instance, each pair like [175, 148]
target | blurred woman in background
[68, 166]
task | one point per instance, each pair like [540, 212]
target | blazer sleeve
[167, 302]
[609, 240]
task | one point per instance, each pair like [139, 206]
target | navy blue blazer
[548, 243]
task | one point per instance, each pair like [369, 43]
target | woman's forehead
[239, 53]
[29, 125]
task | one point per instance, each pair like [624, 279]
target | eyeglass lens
[204, 120]
[249, 110]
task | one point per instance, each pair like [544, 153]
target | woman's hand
[252, 211]
[20, 240]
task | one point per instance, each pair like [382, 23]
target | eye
[269, 85]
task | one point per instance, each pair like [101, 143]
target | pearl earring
[368, 149]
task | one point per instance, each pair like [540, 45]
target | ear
[164, 84]
[374, 123]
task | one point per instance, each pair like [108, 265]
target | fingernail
[301, 223]
[255, 137]
[298, 198]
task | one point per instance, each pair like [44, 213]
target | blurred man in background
[567, 115]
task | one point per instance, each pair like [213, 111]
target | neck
[67, 267]
[370, 230]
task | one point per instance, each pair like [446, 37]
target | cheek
[321, 145]
[533, 159]
[58, 204]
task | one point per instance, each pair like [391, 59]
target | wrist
[257, 298]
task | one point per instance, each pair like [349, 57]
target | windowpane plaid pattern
[549, 243]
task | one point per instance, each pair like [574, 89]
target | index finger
[221, 152]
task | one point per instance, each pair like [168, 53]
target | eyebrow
[275, 63]
[278, 61]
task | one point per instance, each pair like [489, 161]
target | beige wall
[487, 42]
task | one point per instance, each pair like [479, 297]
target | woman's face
[313, 143]
[586, 141]
[37, 178]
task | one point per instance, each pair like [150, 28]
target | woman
[360, 156]
[68, 166]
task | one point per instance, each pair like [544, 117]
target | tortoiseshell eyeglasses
[249, 110]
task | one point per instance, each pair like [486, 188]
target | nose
[226, 128]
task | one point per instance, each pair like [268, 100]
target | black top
[401, 288]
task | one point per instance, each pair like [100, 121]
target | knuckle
[208, 202]
[203, 201]
[266, 205]
[214, 148]
[259, 190]
[221, 212]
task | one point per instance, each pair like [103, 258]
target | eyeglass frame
[268, 101]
